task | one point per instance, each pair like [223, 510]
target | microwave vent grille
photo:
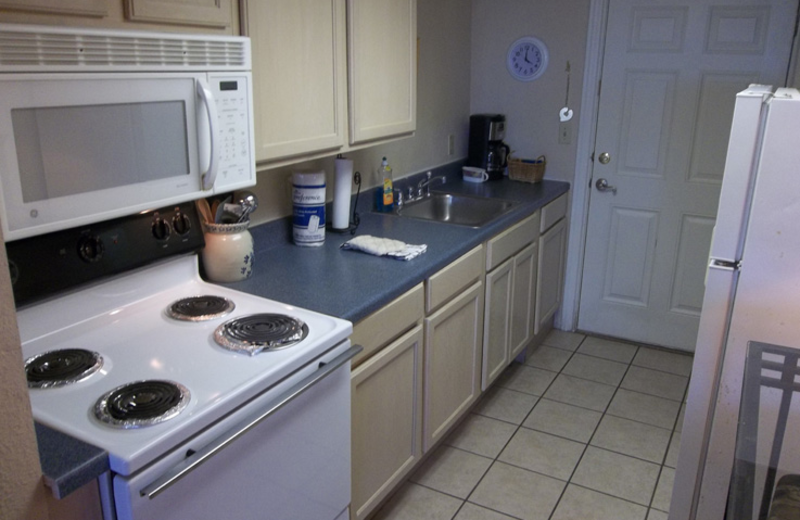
[55, 51]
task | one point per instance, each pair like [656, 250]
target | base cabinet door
[453, 340]
[387, 421]
[523, 299]
[550, 272]
[496, 330]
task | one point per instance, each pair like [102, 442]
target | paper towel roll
[343, 180]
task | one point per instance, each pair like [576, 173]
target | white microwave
[101, 124]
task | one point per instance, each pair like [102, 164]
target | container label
[388, 193]
[308, 221]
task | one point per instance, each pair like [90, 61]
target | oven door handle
[192, 462]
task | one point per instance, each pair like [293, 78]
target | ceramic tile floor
[586, 429]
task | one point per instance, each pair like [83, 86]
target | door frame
[581, 190]
[567, 318]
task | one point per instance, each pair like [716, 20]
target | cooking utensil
[249, 203]
[205, 210]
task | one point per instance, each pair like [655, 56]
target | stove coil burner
[257, 332]
[142, 403]
[61, 367]
[200, 308]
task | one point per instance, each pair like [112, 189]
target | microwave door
[88, 147]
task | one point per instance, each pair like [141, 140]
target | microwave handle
[207, 97]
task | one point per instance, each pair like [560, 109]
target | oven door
[294, 463]
[81, 148]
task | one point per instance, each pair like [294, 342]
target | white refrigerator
[741, 430]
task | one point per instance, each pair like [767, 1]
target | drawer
[389, 322]
[453, 279]
[503, 246]
[553, 212]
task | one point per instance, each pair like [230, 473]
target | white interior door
[671, 70]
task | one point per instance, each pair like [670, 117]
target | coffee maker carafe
[486, 147]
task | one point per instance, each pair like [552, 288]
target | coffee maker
[486, 147]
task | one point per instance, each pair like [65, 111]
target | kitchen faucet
[426, 183]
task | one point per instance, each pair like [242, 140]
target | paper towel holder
[355, 220]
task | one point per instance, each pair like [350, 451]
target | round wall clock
[527, 58]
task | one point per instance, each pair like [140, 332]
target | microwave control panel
[232, 96]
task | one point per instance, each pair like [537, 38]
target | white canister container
[228, 255]
[308, 197]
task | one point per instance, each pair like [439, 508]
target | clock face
[527, 58]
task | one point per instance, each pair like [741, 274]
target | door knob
[604, 158]
[602, 185]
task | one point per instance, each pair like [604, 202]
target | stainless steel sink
[456, 208]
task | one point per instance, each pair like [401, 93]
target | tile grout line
[519, 426]
[538, 400]
[588, 442]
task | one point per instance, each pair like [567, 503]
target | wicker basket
[526, 170]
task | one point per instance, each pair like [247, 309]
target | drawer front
[379, 328]
[503, 246]
[553, 212]
[453, 279]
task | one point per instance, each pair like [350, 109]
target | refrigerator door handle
[726, 265]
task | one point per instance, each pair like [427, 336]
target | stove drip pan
[142, 403]
[61, 367]
[258, 332]
[200, 308]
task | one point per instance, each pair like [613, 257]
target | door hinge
[724, 264]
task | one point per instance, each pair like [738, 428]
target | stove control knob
[160, 229]
[90, 248]
[181, 223]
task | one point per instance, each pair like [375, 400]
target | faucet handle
[399, 196]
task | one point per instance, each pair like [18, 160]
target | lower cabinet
[510, 296]
[387, 420]
[523, 299]
[453, 340]
[499, 287]
[552, 245]
[430, 353]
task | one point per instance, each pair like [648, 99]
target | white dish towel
[385, 247]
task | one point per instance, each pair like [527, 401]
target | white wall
[531, 108]
[443, 100]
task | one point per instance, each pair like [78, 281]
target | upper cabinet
[188, 16]
[382, 48]
[212, 13]
[299, 75]
[71, 7]
[321, 68]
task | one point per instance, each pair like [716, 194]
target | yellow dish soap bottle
[384, 195]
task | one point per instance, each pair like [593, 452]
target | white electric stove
[235, 413]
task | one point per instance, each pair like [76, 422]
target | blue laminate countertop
[350, 284]
[67, 463]
[327, 279]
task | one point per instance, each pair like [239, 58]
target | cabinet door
[387, 420]
[453, 338]
[523, 299]
[211, 13]
[72, 7]
[551, 272]
[496, 320]
[382, 47]
[299, 75]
